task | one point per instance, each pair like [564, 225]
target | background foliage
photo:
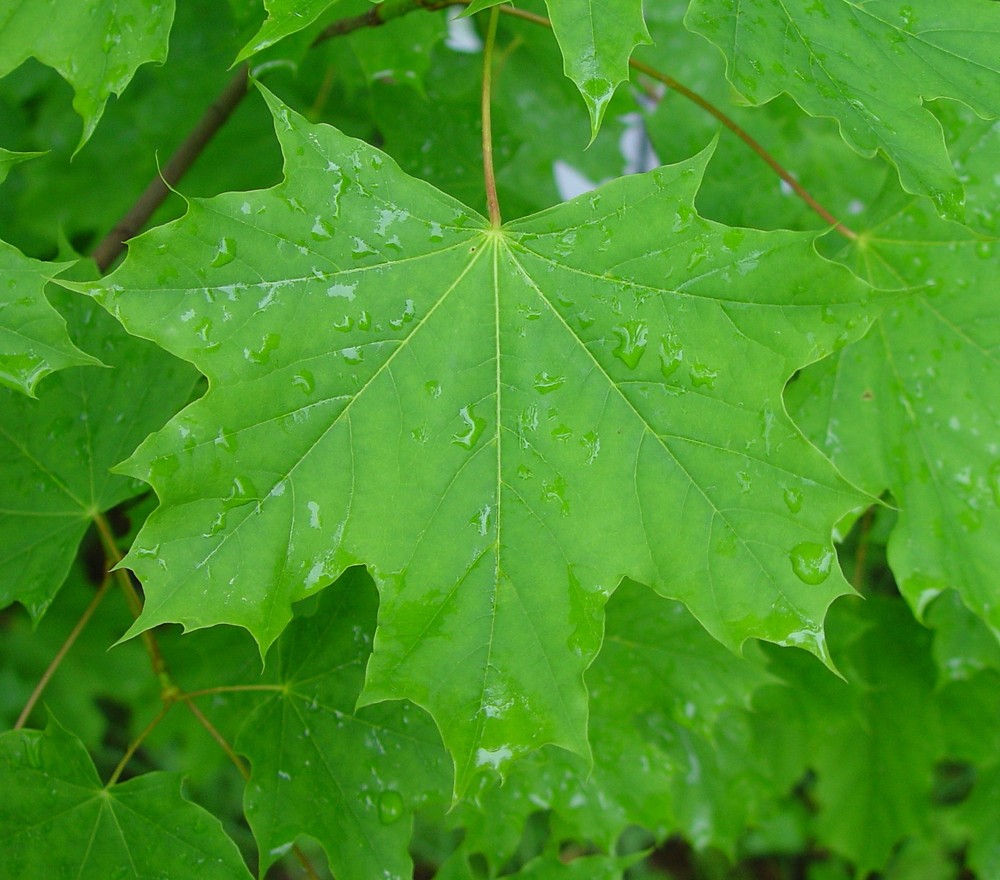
[652, 533]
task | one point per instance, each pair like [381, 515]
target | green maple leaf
[56, 819]
[500, 423]
[305, 743]
[596, 41]
[55, 453]
[661, 745]
[33, 337]
[914, 407]
[96, 47]
[869, 65]
[873, 744]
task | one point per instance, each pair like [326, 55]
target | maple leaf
[869, 65]
[500, 423]
[55, 453]
[914, 407]
[96, 47]
[303, 744]
[59, 820]
[33, 337]
[596, 41]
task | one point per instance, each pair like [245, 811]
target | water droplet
[744, 480]
[473, 430]
[353, 355]
[555, 490]
[262, 354]
[225, 252]
[592, 443]
[811, 562]
[703, 376]
[732, 239]
[217, 525]
[671, 355]
[546, 384]
[433, 389]
[631, 343]
[793, 500]
[524, 472]
[409, 310]
[390, 807]
[304, 380]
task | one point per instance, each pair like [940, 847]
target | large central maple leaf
[500, 423]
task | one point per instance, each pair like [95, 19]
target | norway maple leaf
[500, 423]
[870, 65]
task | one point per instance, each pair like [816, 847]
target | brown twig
[211, 121]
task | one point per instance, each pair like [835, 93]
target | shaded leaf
[55, 453]
[96, 47]
[33, 337]
[56, 819]
[869, 65]
[490, 390]
[873, 744]
[348, 779]
[668, 738]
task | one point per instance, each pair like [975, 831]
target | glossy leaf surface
[489, 389]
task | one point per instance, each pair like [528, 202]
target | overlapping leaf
[596, 41]
[665, 707]
[915, 406]
[55, 453]
[57, 820]
[872, 744]
[33, 337]
[96, 47]
[307, 747]
[869, 65]
[500, 423]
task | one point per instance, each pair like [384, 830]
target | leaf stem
[711, 109]
[138, 741]
[492, 202]
[43, 682]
